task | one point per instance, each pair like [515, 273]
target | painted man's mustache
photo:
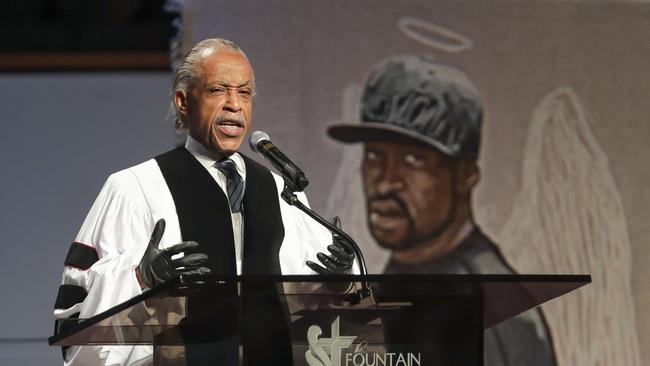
[388, 204]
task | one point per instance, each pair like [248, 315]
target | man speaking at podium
[217, 207]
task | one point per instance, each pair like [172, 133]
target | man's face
[409, 193]
[219, 106]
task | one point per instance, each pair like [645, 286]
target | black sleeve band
[81, 256]
[69, 295]
[62, 327]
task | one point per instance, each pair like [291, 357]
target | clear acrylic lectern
[317, 321]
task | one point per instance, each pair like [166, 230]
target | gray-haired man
[421, 126]
[218, 208]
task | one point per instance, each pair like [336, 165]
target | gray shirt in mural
[521, 340]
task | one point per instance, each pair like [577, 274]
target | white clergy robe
[118, 228]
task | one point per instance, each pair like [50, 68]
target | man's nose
[390, 179]
[233, 101]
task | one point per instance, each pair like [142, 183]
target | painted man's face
[409, 193]
[218, 107]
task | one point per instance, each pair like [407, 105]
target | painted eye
[371, 155]
[414, 160]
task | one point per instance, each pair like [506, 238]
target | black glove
[341, 255]
[157, 265]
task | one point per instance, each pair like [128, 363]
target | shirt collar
[464, 232]
[208, 158]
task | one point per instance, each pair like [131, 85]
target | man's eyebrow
[224, 83]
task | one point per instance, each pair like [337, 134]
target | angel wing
[568, 218]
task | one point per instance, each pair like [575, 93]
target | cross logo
[326, 351]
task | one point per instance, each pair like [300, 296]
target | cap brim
[376, 131]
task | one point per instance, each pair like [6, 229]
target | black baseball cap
[410, 97]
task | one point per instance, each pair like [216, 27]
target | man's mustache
[388, 203]
[234, 120]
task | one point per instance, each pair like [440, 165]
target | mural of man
[420, 126]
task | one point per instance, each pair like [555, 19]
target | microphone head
[256, 138]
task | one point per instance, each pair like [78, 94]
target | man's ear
[180, 98]
[468, 175]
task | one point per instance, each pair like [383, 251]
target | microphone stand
[289, 196]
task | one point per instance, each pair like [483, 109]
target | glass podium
[317, 321]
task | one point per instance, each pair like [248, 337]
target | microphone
[294, 178]
[295, 181]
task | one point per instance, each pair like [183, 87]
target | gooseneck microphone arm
[290, 197]
[294, 179]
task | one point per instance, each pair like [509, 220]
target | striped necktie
[234, 183]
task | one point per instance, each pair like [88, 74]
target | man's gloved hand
[157, 265]
[341, 255]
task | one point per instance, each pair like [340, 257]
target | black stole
[204, 214]
[204, 217]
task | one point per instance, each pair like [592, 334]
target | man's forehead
[400, 151]
[401, 146]
[226, 66]
[228, 83]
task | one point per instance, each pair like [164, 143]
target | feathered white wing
[568, 218]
